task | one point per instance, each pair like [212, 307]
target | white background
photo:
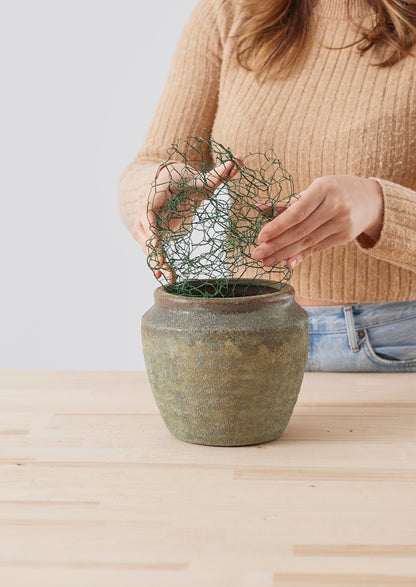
[79, 83]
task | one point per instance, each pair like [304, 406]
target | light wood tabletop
[96, 492]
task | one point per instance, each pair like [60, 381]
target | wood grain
[95, 491]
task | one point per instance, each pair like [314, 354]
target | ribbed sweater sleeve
[397, 241]
[333, 114]
[187, 105]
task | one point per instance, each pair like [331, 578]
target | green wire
[202, 241]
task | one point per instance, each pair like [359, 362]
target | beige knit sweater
[336, 114]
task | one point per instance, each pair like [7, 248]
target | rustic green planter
[226, 371]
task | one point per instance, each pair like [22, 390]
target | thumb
[217, 175]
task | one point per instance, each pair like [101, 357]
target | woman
[331, 86]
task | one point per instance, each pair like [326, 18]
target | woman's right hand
[204, 183]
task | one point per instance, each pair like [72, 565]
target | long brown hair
[278, 31]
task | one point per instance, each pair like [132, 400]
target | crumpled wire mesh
[202, 238]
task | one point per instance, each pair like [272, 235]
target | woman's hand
[171, 174]
[333, 210]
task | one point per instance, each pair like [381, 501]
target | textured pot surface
[226, 371]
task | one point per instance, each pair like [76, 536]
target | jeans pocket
[382, 360]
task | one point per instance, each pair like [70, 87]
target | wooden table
[96, 492]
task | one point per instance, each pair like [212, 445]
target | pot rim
[282, 295]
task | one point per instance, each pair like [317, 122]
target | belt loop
[352, 336]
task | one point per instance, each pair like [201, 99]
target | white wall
[79, 83]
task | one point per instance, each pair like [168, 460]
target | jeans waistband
[345, 318]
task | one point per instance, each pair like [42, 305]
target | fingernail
[258, 254]
[293, 263]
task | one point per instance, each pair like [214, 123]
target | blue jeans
[362, 337]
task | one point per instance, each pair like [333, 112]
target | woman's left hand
[333, 210]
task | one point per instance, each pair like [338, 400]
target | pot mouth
[238, 293]
[223, 288]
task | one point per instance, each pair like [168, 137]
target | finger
[270, 210]
[162, 265]
[162, 268]
[217, 175]
[154, 241]
[295, 214]
[326, 243]
[301, 232]
[168, 272]
[293, 250]
[171, 275]
[152, 248]
[152, 225]
[281, 205]
[146, 243]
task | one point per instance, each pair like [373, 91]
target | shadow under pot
[226, 371]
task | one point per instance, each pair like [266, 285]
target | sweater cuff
[397, 241]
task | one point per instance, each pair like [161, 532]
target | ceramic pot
[226, 371]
